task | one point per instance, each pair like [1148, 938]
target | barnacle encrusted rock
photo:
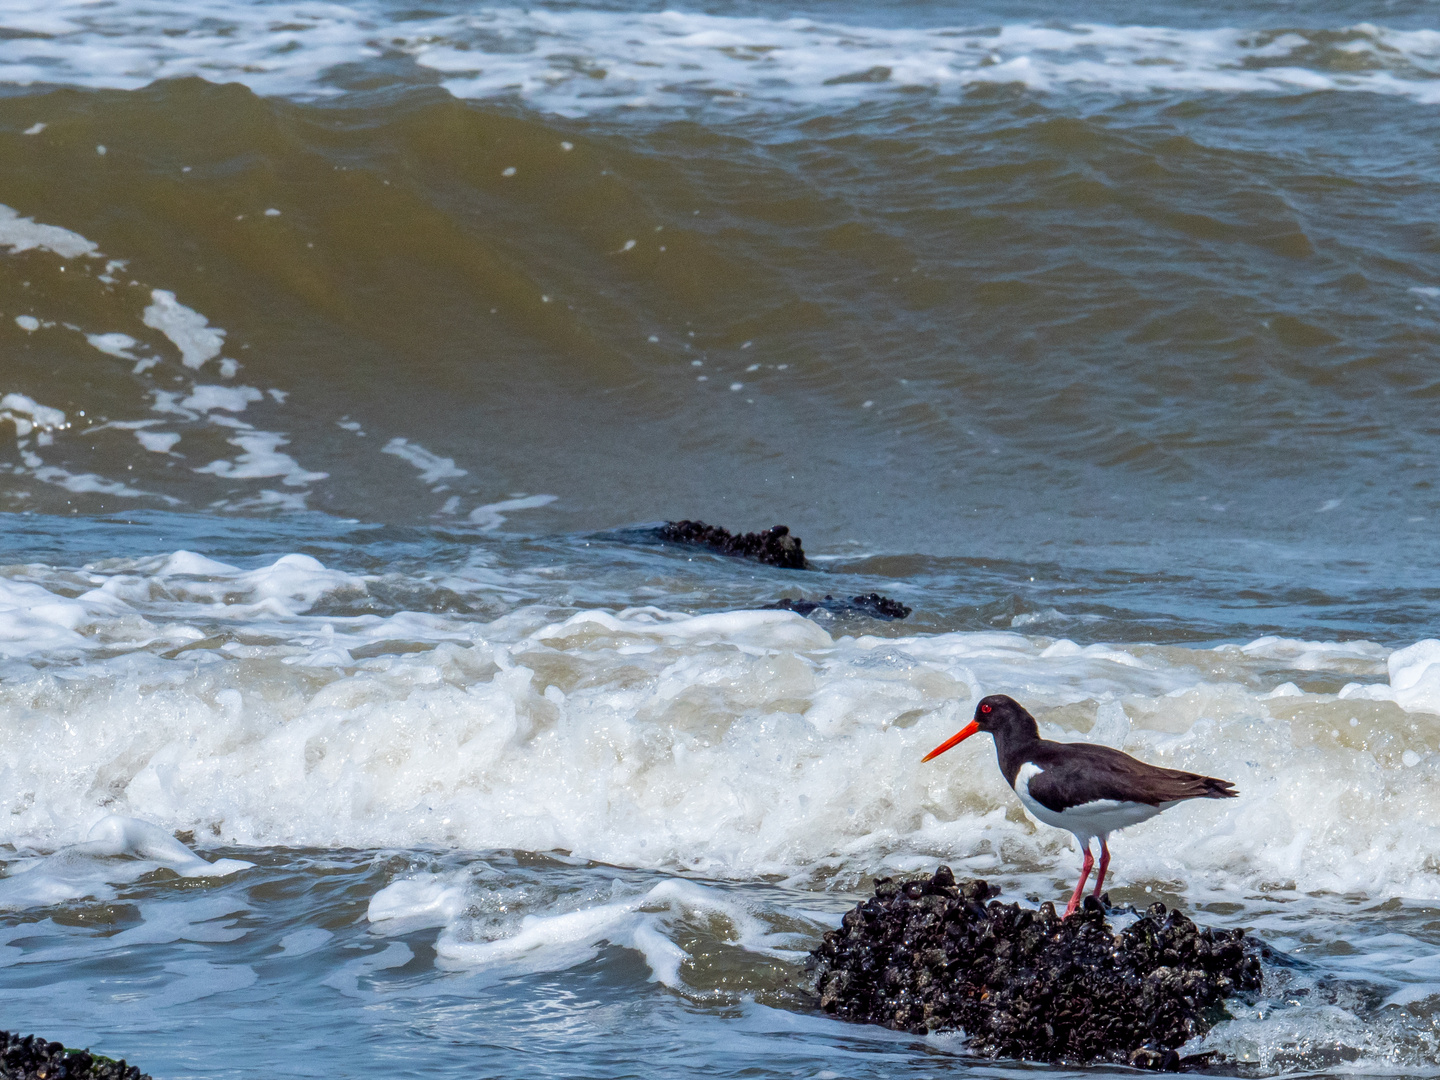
[870, 604]
[774, 546]
[32, 1058]
[925, 954]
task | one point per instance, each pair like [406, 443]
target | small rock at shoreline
[927, 954]
[31, 1058]
[872, 604]
[774, 546]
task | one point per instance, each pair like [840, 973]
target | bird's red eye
[984, 708]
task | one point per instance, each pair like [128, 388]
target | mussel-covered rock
[774, 546]
[872, 605]
[32, 1058]
[927, 954]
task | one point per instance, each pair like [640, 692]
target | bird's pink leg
[1080, 885]
[1104, 865]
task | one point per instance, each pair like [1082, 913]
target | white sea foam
[32, 619]
[205, 697]
[261, 458]
[25, 234]
[89, 483]
[165, 327]
[187, 329]
[230, 398]
[509, 929]
[117, 851]
[577, 60]
[289, 586]
[114, 344]
[197, 342]
[27, 414]
[157, 442]
[415, 903]
[1414, 679]
[433, 468]
[491, 516]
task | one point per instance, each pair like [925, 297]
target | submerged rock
[774, 546]
[872, 604]
[925, 954]
[32, 1058]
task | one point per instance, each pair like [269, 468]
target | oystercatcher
[1089, 789]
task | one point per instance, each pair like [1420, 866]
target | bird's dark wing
[1077, 773]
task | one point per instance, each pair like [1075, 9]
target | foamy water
[574, 60]
[216, 700]
[242, 710]
[163, 342]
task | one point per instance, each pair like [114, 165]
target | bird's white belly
[1087, 820]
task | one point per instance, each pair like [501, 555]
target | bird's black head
[999, 714]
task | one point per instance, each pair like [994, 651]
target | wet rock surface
[774, 546]
[927, 954]
[31, 1058]
[872, 605]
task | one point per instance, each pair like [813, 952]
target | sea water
[353, 722]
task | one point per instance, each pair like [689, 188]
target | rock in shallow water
[925, 954]
[871, 604]
[774, 546]
[32, 1058]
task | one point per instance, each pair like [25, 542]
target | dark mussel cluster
[31, 1058]
[925, 954]
[870, 604]
[774, 546]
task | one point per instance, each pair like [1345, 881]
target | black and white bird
[1090, 790]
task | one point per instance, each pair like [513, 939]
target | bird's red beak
[963, 734]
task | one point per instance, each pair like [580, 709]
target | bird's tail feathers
[1217, 789]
